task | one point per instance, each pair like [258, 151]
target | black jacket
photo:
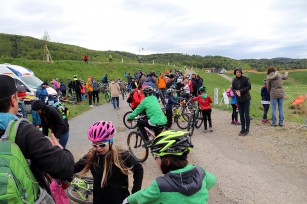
[243, 85]
[117, 184]
[51, 118]
[44, 157]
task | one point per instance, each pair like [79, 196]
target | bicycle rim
[131, 125]
[303, 130]
[77, 194]
[198, 120]
[107, 97]
[182, 120]
[136, 146]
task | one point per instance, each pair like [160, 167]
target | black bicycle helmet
[170, 90]
[202, 89]
[171, 142]
[148, 90]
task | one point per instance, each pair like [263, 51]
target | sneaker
[245, 133]
[280, 125]
[267, 121]
[205, 130]
[273, 125]
[237, 123]
[241, 133]
[233, 122]
[263, 120]
[210, 129]
[91, 106]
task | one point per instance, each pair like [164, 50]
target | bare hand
[54, 141]
[238, 93]
[129, 121]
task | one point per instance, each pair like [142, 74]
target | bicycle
[303, 129]
[136, 142]
[81, 190]
[107, 96]
[181, 119]
[133, 123]
[161, 96]
[195, 120]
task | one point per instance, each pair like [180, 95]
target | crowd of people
[110, 165]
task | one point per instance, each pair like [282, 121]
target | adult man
[41, 92]
[151, 80]
[77, 86]
[161, 82]
[45, 156]
[51, 118]
[241, 86]
[156, 118]
[182, 182]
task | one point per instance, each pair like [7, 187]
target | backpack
[130, 97]
[17, 182]
[63, 110]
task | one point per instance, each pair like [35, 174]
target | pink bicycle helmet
[101, 131]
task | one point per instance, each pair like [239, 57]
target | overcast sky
[237, 29]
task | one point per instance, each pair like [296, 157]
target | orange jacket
[161, 82]
[88, 85]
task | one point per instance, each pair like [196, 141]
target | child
[265, 101]
[186, 89]
[169, 107]
[204, 101]
[137, 97]
[109, 166]
[234, 115]
[21, 95]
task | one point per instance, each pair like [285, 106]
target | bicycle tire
[303, 130]
[198, 120]
[74, 195]
[131, 125]
[182, 120]
[191, 125]
[136, 146]
[107, 97]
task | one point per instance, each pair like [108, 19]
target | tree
[46, 36]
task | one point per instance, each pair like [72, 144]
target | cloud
[238, 29]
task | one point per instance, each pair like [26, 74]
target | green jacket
[153, 111]
[187, 190]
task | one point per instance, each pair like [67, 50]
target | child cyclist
[204, 101]
[169, 107]
[182, 182]
[109, 166]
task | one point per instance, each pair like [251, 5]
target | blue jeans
[64, 138]
[278, 101]
[117, 102]
[244, 115]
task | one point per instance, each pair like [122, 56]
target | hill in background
[29, 48]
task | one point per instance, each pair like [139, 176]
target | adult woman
[277, 93]
[114, 90]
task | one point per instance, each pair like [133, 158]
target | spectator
[70, 86]
[21, 96]
[95, 91]
[89, 89]
[45, 156]
[41, 92]
[52, 119]
[114, 90]
[241, 86]
[63, 89]
[194, 85]
[77, 88]
[265, 101]
[85, 58]
[277, 94]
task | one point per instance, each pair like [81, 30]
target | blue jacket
[41, 93]
[62, 87]
[150, 82]
[171, 101]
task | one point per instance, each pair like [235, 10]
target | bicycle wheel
[137, 147]
[198, 119]
[182, 120]
[131, 125]
[80, 195]
[191, 125]
[303, 130]
[107, 97]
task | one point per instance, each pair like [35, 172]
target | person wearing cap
[46, 156]
[182, 181]
[21, 96]
[277, 94]
[265, 101]
[41, 91]
[51, 119]
[241, 86]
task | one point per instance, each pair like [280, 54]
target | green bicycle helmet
[202, 89]
[171, 142]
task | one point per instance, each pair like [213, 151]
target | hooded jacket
[161, 82]
[44, 157]
[114, 89]
[188, 186]
[89, 84]
[274, 84]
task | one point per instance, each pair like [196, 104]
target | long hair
[111, 157]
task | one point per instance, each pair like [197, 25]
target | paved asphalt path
[243, 174]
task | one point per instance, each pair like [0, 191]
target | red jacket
[203, 103]
[191, 86]
[137, 98]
